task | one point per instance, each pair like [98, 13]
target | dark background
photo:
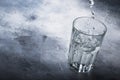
[32, 47]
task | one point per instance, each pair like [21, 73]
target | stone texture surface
[35, 34]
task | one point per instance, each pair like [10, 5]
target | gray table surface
[35, 34]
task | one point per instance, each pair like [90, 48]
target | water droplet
[91, 6]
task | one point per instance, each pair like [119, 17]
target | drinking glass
[86, 39]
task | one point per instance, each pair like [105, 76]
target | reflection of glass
[86, 39]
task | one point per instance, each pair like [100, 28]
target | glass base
[82, 68]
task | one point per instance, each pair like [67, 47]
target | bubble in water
[89, 43]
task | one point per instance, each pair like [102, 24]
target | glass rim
[95, 20]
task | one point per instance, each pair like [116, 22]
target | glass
[86, 39]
